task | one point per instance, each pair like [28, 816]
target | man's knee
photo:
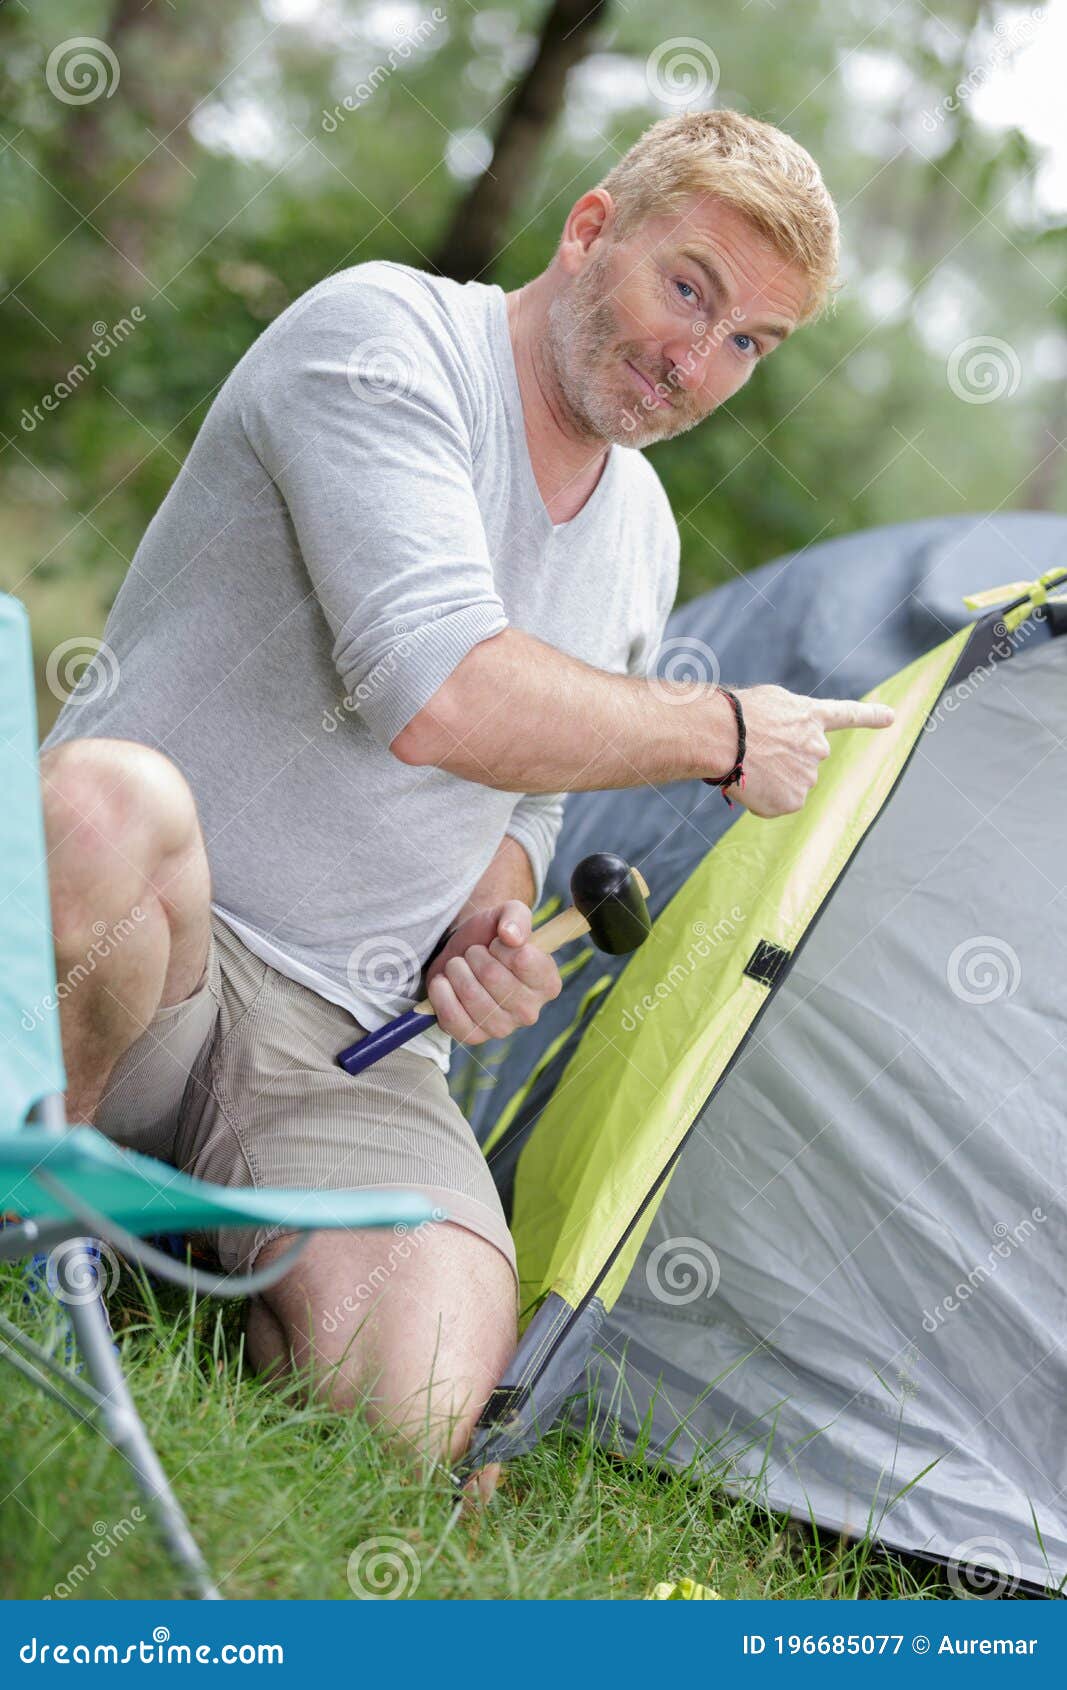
[113, 790]
[415, 1339]
[115, 812]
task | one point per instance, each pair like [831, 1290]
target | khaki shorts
[239, 1085]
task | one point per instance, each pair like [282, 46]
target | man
[405, 593]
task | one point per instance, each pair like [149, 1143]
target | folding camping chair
[70, 1185]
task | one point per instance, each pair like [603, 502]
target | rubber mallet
[609, 904]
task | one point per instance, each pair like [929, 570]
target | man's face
[649, 335]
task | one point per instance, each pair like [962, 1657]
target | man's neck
[566, 464]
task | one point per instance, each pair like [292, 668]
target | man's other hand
[489, 979]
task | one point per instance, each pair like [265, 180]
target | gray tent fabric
[852, 1298]
[543, 1374]
[857, 1279]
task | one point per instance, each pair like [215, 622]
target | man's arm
[509, 875]
[518, 715]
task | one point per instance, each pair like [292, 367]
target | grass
[281, 1495]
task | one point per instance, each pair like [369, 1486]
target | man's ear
[589, 220]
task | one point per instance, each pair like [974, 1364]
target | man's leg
[130, 892]
[420, 1343]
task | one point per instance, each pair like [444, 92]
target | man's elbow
[409, 746]
[425, 739]
[437, 733]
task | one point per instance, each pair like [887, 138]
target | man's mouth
[656, 398]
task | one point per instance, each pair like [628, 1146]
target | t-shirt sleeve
[362, 418]
[535, 823]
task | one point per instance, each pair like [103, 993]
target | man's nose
[691, 361]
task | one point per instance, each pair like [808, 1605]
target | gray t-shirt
[357, 512]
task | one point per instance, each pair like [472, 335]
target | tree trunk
[478, 229]
[160, 70]
[1039, 491]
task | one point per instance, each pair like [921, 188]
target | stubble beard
[586, 363]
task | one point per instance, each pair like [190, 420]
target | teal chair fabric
[31, 1061]
[143, 1196]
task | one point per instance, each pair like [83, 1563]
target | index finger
[852, 713]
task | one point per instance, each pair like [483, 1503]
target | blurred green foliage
[206, 190]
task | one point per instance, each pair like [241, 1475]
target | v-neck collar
[509, 375]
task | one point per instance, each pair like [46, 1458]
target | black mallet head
[610, 896]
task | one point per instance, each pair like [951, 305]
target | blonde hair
[760, 171]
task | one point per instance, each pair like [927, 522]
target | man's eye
[749, 347]
[690, 292]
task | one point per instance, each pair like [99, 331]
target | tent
[789, 1184]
